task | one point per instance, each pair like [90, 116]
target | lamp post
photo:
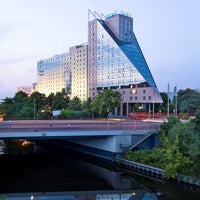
[153, 102]
[168, 101]
[34, 108]
[175, 95]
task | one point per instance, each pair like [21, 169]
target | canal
[54, 176]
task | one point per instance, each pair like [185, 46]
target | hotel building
[115, 61]
[78, 65]
[111, 59]
[53, 74]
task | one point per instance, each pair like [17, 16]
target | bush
[73, 114]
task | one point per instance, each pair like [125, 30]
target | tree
[166, 126]
[49, 101]
[186, 134]
[196, 123]
[7, 107]
[20, 101]
[75, 104]
[188, 100]
[188, 140]
[106, 101]
[87, 107]
[60, 101]
[37, 102]
[164, 105]
[174, 161]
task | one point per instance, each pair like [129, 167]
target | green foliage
[168, 158]
[3, 197]
[87, 104]
[7, 107]
[106, 101]
[174, 161]
[196, 122]
[189, 100]
[75, 104]
[186, 135]
[166, 126]
[73, 114]
[59, 101]
[144, 156]
[179, 152]
[136, 107]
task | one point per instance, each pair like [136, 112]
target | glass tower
[115, 61]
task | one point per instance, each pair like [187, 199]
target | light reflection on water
[57, 177]
[1, 147]
[35, 177]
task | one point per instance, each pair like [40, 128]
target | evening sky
[168, 32]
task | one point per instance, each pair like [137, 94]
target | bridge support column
[127, 109]
[121, 109]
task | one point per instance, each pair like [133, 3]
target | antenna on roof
[95, 15]
[103, 16]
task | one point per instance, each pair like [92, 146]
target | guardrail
[141, 168]
[156, 172]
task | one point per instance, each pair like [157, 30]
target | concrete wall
[110, 143]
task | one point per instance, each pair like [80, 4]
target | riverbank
[154, 172]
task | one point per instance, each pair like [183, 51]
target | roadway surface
[76, 125]
[54, 129]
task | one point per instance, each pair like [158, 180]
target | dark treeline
[188, 102]
[38, 106]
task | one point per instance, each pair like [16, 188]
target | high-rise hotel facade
[111, 59]
[52, 74]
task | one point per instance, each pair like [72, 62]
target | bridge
[106, 138]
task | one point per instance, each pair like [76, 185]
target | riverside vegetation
[38, 106]
[179, 150]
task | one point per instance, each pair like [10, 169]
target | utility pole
[175, 95]
[153, 102]
[34, 108]
[168, 89]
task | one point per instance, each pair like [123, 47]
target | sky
[168, 32]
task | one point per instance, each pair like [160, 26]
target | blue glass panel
[134, 54]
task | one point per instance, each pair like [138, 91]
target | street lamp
[168, 101]
[175, 95]
[34, 107]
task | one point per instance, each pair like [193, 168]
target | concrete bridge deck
[107, 139]
[30, 129]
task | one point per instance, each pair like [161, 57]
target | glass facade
[51, 77]
[124, 60]
[115, 61]
[114, 67]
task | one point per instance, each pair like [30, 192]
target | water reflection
[54, 176]
[78, 196]
[34, 177]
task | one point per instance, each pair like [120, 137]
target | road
[77, 125]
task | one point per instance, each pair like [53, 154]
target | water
[53, 176]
